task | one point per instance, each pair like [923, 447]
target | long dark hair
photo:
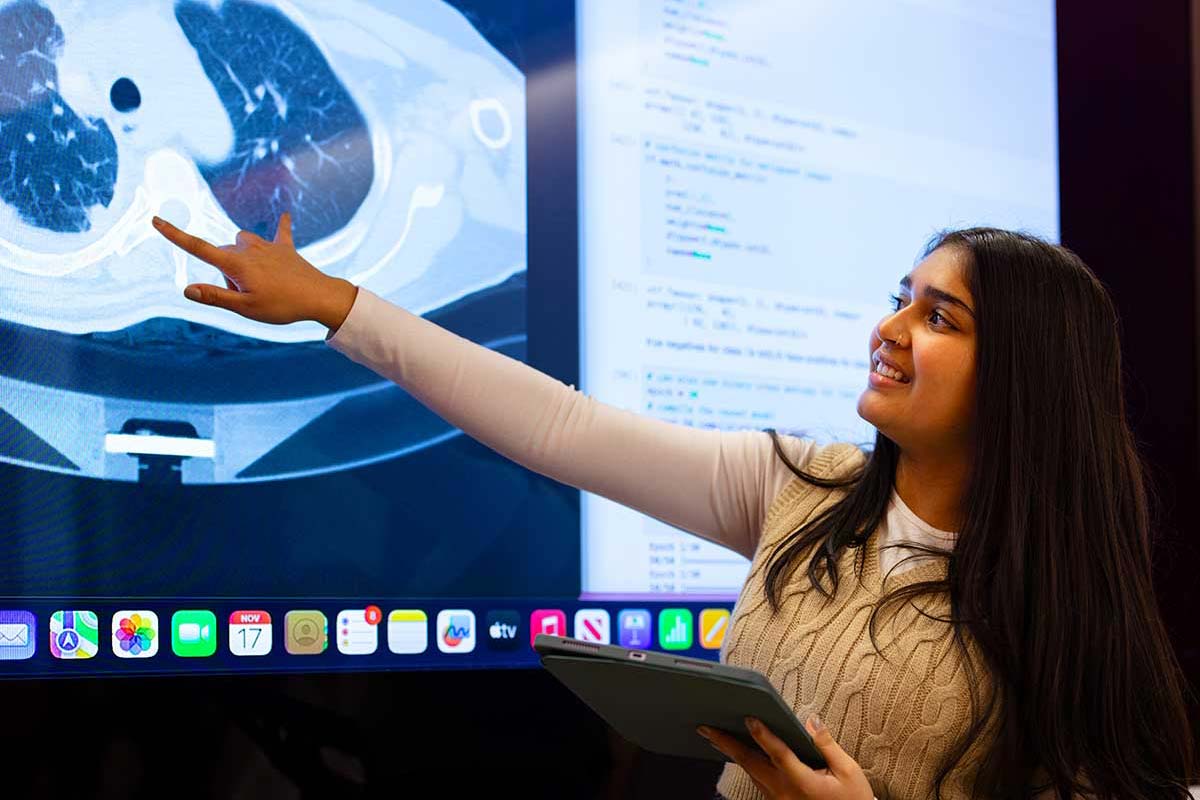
[1050, 576]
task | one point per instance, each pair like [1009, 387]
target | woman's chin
[867, 407]
[872, 411]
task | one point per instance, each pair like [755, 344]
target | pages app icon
[714, 622]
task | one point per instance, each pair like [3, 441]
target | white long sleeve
[715, 484]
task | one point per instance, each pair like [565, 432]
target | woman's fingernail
[704, 731]
[752, 723]
[817, 725]
[156, 222]
[191, 293]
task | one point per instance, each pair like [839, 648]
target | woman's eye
[937, 319]
[897, 301]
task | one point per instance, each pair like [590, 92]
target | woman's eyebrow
[937, 294]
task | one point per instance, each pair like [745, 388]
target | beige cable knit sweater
[897, 713]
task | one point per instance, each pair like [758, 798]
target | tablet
[657, 700]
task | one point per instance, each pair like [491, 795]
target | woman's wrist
[337, 297]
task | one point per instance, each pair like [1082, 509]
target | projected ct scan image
[394, 135]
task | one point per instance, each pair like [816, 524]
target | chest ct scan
[392, 133]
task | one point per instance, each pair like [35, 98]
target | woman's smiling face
[921, 389]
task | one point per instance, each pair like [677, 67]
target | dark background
[1128, 208]
[1128, 182]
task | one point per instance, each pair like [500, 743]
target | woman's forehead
[944, 268]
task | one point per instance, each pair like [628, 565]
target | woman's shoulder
[836, 460]
[833, 461]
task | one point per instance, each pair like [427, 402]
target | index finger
[205, 251]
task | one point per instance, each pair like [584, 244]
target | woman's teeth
[888, 372]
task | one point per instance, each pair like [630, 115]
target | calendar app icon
[250, 633]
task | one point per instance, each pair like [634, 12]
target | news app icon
[456, 630]
[18, 635]
[593, 625]
[502, 629]
[250, 633]
[550, 621]
[74, 634]
[408, 631]
[633, 628]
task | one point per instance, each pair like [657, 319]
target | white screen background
[755, 178]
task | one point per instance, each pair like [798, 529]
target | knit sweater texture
[897, 711]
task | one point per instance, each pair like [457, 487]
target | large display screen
[182, 490]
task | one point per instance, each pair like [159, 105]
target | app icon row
[135, 633]
[636, 626]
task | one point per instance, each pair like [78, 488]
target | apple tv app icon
[502, 628]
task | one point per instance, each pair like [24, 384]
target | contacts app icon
[307, 633]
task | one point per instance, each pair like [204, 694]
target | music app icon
[550, 621]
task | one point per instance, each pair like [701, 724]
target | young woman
[968, 604]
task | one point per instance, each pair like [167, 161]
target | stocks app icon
[456, 630]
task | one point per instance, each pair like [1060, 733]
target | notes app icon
[550, 621]
[407, 631]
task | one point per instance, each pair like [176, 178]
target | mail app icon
[14, 634]
[18, 635]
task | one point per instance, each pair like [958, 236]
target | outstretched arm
[712, 483]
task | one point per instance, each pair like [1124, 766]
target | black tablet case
[657, 703]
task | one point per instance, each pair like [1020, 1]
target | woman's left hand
[781, 775]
